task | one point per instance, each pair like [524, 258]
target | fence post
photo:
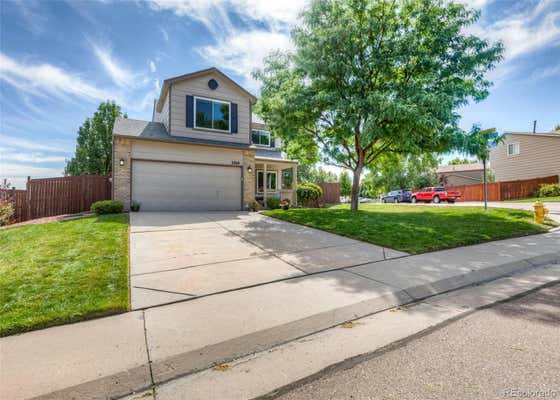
[29, 214]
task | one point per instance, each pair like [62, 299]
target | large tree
[370, 77]
[94, 148]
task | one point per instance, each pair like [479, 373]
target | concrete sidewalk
[115, 356]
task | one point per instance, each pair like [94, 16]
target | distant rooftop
[442, 169]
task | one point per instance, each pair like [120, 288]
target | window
[270, 181]
[287, 178]
[513, 149]
[211, 114]
[260, 137]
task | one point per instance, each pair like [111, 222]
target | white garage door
[161, 186]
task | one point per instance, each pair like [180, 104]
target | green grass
[61, 272]
[533, 199]
[416, 229]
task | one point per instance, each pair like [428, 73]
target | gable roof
[555, 134]
[459, 168]
[168, 82]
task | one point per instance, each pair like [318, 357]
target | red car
[435, 194]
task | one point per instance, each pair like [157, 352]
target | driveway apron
[177, 256]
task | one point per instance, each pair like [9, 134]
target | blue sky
[59, 59]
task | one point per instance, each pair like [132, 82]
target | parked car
[435, 194]
[397, 196]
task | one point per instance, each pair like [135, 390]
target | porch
[275, 178]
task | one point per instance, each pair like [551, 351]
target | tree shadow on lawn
[414, 231]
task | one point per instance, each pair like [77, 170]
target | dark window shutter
[233, 118]
[272, 144]
[190, 112]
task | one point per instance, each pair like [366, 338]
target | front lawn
[416, 229]
[60, 272]
[533, 199]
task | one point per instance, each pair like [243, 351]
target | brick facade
[248, 177]
[122, 174]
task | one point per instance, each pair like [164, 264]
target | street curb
[353, 361]
[181, 365]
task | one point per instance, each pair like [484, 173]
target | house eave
[168, 82]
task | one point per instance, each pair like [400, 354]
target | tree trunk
[356, 187]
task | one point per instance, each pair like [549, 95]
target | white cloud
[236, 49]
[120, 75]
[164, 34]
[10, 155]
[545, 73]
[524, 33]
[31, 145]
[152, 65]
[17, 173]
[41, 79]
[243, 52]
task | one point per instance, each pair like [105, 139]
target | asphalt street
[511, 350]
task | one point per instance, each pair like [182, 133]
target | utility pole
[484, 156]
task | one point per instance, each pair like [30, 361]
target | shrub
[107, 207]
[548, 190]
[285, 204]
[6, 213]
[308, 192]
[273, 203]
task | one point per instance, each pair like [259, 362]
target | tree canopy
[459, 160]
[396, 171]
[371, 77]
[94, 148]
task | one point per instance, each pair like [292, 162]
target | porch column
[265, 181]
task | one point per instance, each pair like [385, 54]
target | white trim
[513, 154]
[214, 101]
[275, 172]
[258, 144]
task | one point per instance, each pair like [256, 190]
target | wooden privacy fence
[56, 196]
[498, 191]
[331, 193]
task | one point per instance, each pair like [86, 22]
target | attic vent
[213, 84]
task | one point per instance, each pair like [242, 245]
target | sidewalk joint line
[203, 264]
[166, 291]
[175, 230]
[153, 385]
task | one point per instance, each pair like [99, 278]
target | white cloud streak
[120, 75]
[19, 143]
[46, 78]
[236, 49]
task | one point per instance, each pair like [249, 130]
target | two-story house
[526, 155]
[203, 150]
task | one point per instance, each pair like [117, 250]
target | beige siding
[163, 116]
[539, 156]
[149, 150]
[225, 92]
[458, 178]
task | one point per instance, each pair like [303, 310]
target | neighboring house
[460, 174]
[201, 151]
[525, 155]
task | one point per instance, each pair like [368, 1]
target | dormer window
[211, 114]
[261, 137]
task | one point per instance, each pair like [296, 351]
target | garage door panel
[176, 187]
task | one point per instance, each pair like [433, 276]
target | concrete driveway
[176, 256]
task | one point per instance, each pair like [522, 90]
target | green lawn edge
[63, 272]
[417, 229]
